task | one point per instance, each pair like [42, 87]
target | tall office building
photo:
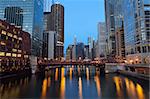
[120, 44]
[14, 15]
[113, 13]
[137, 30]
[49, 44]
[57, 24]
[110, 24]
[32, 13]
[101, 40]
[74, 51]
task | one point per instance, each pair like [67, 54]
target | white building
[101, 40]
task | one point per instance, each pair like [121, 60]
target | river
[74, 82]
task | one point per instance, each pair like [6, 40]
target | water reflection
[98, 85]
[62, 85]
[79, 82]
[133, 90]
[80, 87]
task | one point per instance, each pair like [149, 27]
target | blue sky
[81, 19]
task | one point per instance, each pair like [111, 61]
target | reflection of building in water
[87, 73]
[80, 87]
[62, 84]
[118, 83]
[70, 73]
[56, 74]
[12, 88]
[132, 90]
[97, 81]
[45, 85]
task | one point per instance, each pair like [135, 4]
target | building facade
[14, 15]
[137, 31]
[49, 45]
[101, 40]
[32, 13]
[113, 19]
[57, 16]
[15, 48]
[69, 53]
[120, 45]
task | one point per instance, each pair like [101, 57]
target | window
[144, 49]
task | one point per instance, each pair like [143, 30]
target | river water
[74, 82]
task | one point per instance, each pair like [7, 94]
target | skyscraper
[113, 13]
[57, 24]
[137, 30]
[110, 24]
[32, 13]
[101, 40]
[14, 15]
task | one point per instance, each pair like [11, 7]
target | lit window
[19, 55]
[8, 54]
[3, 32]
[14, 50]
[2, 43]
[9, 34]
[20, 38]
[2, 53]
[15, 36]
[14, 55]
[19, 51]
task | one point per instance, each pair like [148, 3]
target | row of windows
[143, 49]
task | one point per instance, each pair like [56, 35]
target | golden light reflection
[140, 93]
[98, 85]
[62, 84]
[80, 87]
[127, 86]
[79, 70]
[118, 83]
[87, 73]
[132, 88]
[49, 81]
[71, 73]
[44, 88]
[134, 91]
[56, 74]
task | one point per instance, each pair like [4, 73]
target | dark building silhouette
[14, 15]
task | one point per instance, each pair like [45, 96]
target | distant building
[86, 51]
[29, 15]
[74, 51]
[80, 51]
[49, 45]
[90, 43]
[15, 48]
[69, 53]
[102, 51]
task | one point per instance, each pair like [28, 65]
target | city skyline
[76, 20]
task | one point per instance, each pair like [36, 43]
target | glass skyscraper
[32, 11]
[114, 18]
[137, 30]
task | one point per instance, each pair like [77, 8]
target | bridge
[52, 64]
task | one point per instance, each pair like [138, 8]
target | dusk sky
[81, 19]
